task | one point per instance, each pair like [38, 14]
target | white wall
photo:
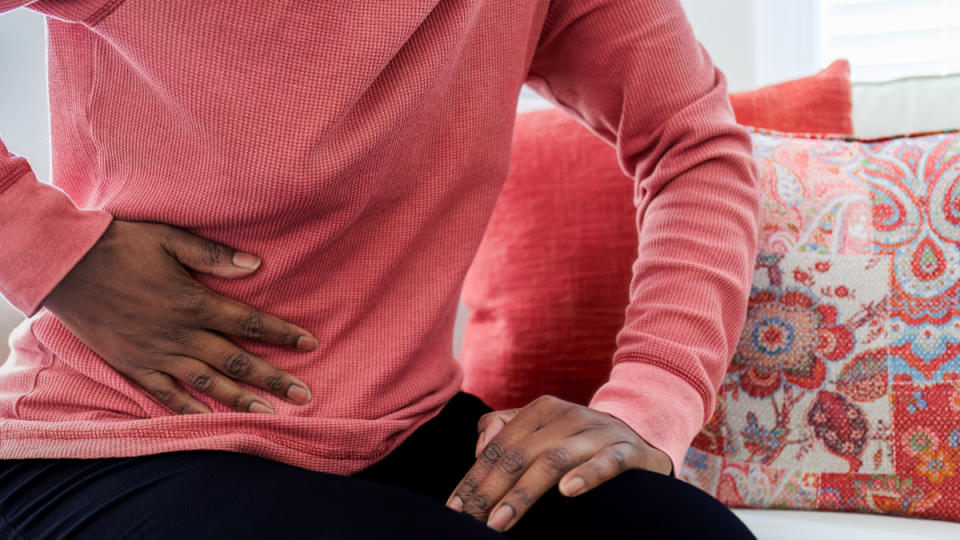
[24, 115]
[726, 29]
[758, 42]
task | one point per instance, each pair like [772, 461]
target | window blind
[890, 39]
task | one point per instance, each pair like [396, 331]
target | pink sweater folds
[359, 149]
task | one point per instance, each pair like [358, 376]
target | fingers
[490, 424]
[200, 306]
[219, 312]
[606, 464]
[165, 390]
[237, 319]
[229, 359]
[522, 473]
[523, 454]
[543, 473]
[525, 421]
[205, 255]
[217, 360]
[200, 377]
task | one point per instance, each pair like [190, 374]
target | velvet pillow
[844, 391]
[548, 287]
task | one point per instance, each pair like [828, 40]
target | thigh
[635, 504]
[435, 458]
[211, 494]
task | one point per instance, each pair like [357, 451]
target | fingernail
[501, 517]
[306, 343]
[246, 260]
[572, 486]
[456, 504]
[480, 442]
[298, 393]
[260, 408]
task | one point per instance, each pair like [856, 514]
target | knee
[636, 502]
[665, 507]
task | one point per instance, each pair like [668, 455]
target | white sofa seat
[803, 525]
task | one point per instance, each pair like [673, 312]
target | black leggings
[214, 494]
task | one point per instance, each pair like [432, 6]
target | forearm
[634, 74]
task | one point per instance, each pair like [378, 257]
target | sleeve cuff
[662, 408]
[45, 235]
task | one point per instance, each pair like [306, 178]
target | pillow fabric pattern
[844, 391]
[548, 286]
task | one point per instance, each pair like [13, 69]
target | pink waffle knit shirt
[359, 148]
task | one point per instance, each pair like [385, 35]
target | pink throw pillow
[818, 104]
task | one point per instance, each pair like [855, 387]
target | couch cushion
[910, 105]
[817, 104]
[844, 390]
[800, 525]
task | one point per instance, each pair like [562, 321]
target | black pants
[213, 494]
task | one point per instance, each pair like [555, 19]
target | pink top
[360, 150]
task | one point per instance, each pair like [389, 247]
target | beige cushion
[910, 105]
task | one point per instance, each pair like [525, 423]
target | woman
[241, 302]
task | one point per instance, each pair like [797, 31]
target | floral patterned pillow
[844, 391]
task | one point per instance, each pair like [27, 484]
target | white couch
[904, 106]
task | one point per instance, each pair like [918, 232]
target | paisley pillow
[844, 391]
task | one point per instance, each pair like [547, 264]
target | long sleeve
[634, 74]
[42, 233]
[7, 5]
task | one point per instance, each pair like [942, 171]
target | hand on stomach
[132, 300]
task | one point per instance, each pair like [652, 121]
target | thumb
[490, 424]
[207, 256]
